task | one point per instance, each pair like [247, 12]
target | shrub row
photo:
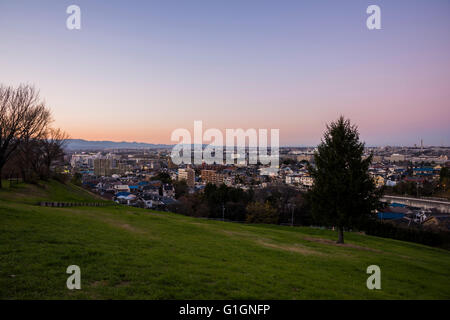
[413, 234]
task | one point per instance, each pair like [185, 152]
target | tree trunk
[340, 235]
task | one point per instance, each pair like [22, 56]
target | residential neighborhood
[149, 179]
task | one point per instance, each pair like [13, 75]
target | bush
[76, 179]
[258, 212]
[412, 234]
[61, 177]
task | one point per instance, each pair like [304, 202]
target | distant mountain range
[80, 144]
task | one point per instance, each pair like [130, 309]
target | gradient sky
[137, 70]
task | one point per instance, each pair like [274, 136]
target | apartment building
[211, 176]
[188, 175]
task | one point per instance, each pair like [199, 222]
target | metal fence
[74, 204]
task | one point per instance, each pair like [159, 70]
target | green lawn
[46, 191]
[125, 252]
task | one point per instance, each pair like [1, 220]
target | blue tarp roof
[390, 215]
[133, 187]
[394, 204]
[122, 193]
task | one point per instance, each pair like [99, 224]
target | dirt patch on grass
[123, 284]
[236, 233]
[291, 248]
[116, 223]
[110, 219]
[153, 213]
[267, 242]
[126, 226]
[200, 224]
[334, 243]
[100, 283]
[247, 236]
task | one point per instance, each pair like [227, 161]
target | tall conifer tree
[344, 194]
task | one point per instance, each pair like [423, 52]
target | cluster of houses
[134, 191]
[300, 177]
[128, 177]
[391, 174]
[384, 174]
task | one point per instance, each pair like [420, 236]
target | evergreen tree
[344, 194]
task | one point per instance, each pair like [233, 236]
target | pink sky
[136, 73]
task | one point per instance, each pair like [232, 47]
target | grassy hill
[46, 191]
[125, 252]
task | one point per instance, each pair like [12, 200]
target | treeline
[29, 146]
[276, 205]
[410, 188]
[417, 234]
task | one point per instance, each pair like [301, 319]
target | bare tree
[23, 117]
[53, 147]
[28, 159]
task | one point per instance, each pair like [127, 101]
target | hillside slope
[126, 252]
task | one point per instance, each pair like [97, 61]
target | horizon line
[281, 146]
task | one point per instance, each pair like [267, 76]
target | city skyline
[136, 73]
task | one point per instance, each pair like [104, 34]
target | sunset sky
[137, 70]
